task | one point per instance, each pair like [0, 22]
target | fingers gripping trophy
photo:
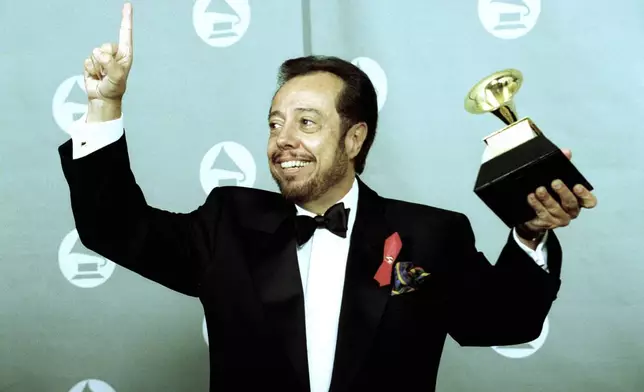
[106, 72]
[519, 158]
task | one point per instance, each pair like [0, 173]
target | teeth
[289, 164]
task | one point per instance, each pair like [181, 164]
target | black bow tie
[335, 219]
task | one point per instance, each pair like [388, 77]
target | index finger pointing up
[125, 33]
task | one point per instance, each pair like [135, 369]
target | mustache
[282, 157]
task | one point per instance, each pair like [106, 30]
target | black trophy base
[505, 181]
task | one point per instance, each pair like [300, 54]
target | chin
[295, 190]
[298, 191]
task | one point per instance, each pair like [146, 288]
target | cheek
[328, 157]
[314, 146]
[324, 150]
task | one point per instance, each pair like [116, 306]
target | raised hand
[107, 68]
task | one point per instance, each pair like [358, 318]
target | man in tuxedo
[296, 290]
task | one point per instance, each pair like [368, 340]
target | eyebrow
[279, 113]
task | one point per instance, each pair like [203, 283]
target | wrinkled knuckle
[555, 210]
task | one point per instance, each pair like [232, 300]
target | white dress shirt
[322, 261]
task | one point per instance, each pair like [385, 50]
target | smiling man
[296, 289]
[316, 147]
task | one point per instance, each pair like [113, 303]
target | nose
[287, 137]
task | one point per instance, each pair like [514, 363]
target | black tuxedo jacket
[237, 254]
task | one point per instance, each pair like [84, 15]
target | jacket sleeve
[501, 304]
[114, 220]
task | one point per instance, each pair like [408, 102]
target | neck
[332, 196]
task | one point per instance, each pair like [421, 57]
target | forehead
[318, 90]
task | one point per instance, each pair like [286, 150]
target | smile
[296, 169]
[293, 164]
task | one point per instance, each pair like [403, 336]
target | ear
[354, 139]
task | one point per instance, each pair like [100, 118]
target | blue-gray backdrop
[203, 75]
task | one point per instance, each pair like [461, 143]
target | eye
[273, 125]
[306, 122]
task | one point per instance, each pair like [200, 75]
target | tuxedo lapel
[276, 277]
[363, 300]
[274, 269]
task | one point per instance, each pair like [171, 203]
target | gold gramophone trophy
[518, 158]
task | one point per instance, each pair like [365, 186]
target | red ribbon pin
[393, 244]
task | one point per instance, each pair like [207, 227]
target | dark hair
[356, 102]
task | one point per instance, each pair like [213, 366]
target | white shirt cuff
[539, 255]
[90, 137]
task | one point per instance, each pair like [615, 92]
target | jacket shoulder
[249, 204]
[429, 216]
[242, 191]
[423, 210]
[241, 196]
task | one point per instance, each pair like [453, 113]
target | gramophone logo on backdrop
[80, 266]
[221, 23]
[509, 19]
[227, 163]
[70, 102]
[92, 386]
[526, 349]
[377, 76]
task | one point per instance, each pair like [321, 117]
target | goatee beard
[317, 186]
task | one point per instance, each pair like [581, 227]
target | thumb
[107, 64]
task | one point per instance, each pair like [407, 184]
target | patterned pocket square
[407, 277]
